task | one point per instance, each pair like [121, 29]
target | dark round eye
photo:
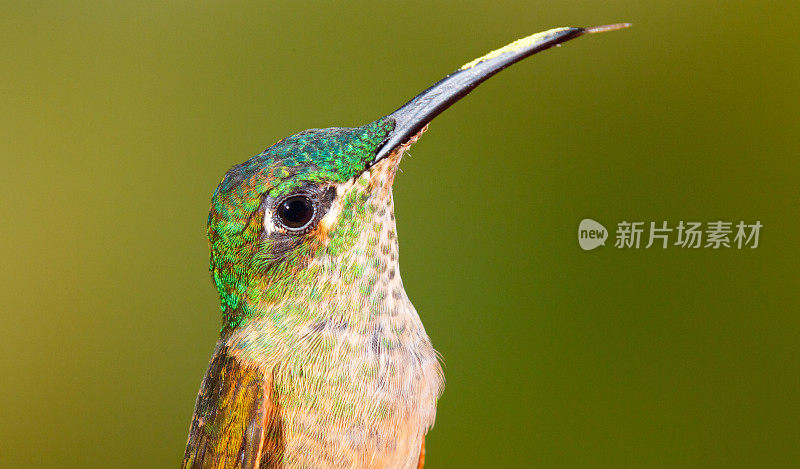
[295, 211]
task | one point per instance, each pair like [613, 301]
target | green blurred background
[119, 119]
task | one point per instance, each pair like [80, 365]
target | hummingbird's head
[308, 225]
[311, 212]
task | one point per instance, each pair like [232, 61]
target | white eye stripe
[333, 214]
[269, 223]
[335, 209]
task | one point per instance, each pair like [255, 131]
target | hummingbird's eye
[295, 212]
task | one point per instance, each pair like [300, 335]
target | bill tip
[606, 27]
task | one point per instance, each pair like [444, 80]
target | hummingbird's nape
[322, 360]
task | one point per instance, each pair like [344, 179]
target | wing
[236, 422]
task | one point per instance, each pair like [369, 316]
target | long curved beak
[417, 113]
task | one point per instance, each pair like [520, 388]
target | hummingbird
[322, 360]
